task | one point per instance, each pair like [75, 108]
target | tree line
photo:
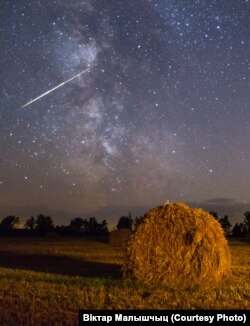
[42, 225]
[238, 230]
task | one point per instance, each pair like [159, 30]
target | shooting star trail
[54, 88]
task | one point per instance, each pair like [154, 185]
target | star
[162, 112]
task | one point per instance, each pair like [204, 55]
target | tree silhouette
[125, 222]
[44, 224]
[226, 225]
[138, 221]
[215, 215]
[92, 226]
[89, 227]
[247, 221]
[102, 228]
[30, 223]
[8, 223]
[239, 230]
[236, 230]
[76, 225]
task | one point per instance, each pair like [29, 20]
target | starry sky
[162, 113]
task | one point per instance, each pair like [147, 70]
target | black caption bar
[212, 317]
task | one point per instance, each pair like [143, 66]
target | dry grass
[120, 237]
[33, 296]
[178, 246]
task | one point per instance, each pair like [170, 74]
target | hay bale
[120, 237]
[177, 246]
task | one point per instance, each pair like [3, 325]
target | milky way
[163, 114]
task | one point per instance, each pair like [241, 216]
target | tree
[76, 225]
[236, 231]
[215, 215]
[44, 224]
[138, 221]
[243, 229]
[226, 225]
[125, 222]
[92, 225]
[30, 223]
[103, 227]
[247, 221]
[239, 230]
[8, 223]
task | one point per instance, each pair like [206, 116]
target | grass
[46, 281]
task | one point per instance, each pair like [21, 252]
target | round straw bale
[177, 246]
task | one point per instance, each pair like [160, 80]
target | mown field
[46, 281]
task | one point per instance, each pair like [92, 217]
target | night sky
[162, 113]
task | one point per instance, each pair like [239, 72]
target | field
[46, 281]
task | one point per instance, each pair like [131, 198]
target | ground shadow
[58, 265]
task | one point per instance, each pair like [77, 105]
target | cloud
[220, 201]
[33, 210]
[224, 206]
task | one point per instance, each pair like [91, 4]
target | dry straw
[177, 246]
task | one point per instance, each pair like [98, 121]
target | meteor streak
[54, 88]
